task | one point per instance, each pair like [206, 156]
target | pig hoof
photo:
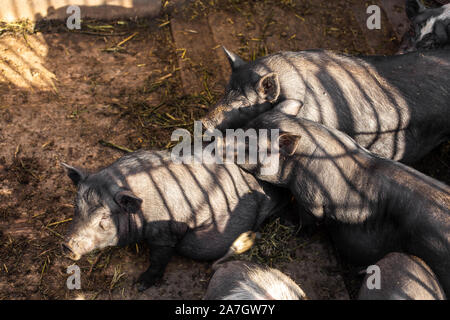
[144, 282]
[244, 242]
[141, 286]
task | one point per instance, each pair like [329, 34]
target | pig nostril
[66, 250]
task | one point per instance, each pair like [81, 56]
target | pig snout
[218, 116]
[76, 245]
[212, 120]
[67, 251]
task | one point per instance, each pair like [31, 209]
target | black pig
[371, 205]
[396, 106]
[197, 210]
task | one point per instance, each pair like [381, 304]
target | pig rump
[403, 277]
[238, 280]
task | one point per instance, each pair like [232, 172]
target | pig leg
[159, 258]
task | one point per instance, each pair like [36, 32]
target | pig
[395, 106]
[429, 29]
[196, 210]
[243, 280]
[403, 277]
[370, 205]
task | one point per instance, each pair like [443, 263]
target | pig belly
[362, 245]
[209, 244]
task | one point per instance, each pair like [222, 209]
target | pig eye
[93, 209]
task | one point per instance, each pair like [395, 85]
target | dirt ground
[65, 95]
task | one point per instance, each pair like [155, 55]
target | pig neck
[131, 227]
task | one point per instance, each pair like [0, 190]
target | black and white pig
[196, 209]
[243, 280]
[396, 106]
[429, 29]
[403, 277]
[371, 205]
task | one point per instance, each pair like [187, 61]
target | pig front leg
[159, 258]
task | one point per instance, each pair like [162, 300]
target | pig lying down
[430, 28]
[398, 107]
[243, 280]
[372, 206]
[403, 277]
[196, 210]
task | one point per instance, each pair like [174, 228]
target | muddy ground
[64, 94]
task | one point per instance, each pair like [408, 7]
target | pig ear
[234, 59]
[128, 201]
[75, 174]
[288, 143]
[268, 87]
[414, 8]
